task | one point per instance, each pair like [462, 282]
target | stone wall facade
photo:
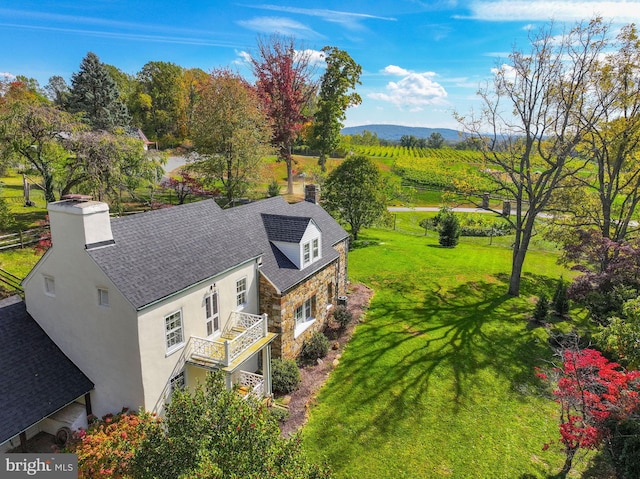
[326, 285]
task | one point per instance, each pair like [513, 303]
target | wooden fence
[22, 239]
[12, 281]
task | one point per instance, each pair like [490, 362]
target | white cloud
[395, 70]
[316, 57]
[507, 71]
[7, 76]
[559, 10]
[413, 90]
[280, 25]
[348, 20]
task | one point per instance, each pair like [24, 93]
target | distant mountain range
[395, 132]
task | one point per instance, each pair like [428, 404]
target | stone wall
[281, 309]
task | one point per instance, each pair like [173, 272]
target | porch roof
[37, 378]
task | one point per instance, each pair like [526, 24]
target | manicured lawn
[438, 381]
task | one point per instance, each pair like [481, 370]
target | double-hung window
[212, 315]
[304, 315]
[306, 253]
[173, 331]
[241, 292]
[316, 248]
[178, 382]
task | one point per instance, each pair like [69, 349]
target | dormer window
[297, 237]
[307, 253]
[310, 251]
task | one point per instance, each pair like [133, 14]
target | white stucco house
[150, 302]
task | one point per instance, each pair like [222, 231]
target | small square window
[103, 297]
[49, 286]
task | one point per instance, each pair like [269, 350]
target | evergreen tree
[449, 230]
[560, 299]
[95, 93]
[541, 310]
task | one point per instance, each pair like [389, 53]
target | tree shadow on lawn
[412, 339]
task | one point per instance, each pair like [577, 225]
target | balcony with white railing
[249, 384]
[243, 332]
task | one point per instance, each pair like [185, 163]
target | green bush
[280, 415]
[541, 310]
[449, 230]
[560, 299]
[342, 316]
[314, 348]
[285, 376]
[273, 189]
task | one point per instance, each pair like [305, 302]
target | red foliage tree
[593, 394]
[284, 83]
[44, 242]
[186, 185]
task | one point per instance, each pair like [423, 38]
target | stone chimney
[77, 222]
[312, 193]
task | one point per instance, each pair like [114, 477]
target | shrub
[280, 415]
[449, 231]
[273, 189]
[285, 376]
[314, 348]
[560, 299]
[541, 311]
[342, 316]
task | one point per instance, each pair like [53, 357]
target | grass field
[438, 381]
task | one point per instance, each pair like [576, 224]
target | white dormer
[298, 238]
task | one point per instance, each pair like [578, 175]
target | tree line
[85, 136]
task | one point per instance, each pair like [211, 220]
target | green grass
[438, 381]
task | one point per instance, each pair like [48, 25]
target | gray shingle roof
[37, 378]
[276, 266]
[289, 229]
[165, 251]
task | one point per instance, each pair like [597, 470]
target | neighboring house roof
[162, 252]
[37, 378]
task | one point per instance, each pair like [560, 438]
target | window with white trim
[103, 297]
[212, 315]
[315, 249]
[178, 382]
[173, 331]
[49, 286]
[306, 253]
[305, 315]
[241, 292]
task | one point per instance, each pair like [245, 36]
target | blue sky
[421, 60]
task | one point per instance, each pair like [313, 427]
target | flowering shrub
[106, 448]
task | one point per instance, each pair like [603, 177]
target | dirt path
[313, 377]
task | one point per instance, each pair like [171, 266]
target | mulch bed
[314, 376]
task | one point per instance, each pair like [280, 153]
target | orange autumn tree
[107, 446]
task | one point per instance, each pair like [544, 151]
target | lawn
[438, 380]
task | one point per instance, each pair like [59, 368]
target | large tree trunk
[519, 254]
[289, 162]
